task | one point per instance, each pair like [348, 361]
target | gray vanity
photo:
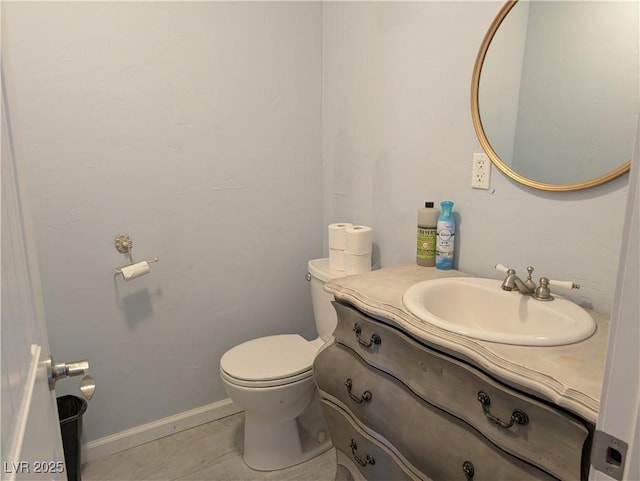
[407, 400]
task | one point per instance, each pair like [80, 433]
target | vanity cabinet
[399, 409]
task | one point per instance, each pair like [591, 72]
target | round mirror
[555, 91]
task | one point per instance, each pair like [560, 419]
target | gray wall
[194, 127]
[397, 131]
[224, 137]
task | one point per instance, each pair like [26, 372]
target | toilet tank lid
[319, 268]
[269, 358]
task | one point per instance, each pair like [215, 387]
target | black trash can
[70, 411]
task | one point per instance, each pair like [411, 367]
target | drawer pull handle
[366, 396]
[468, 470]
[517, 417]
[368, 459]
[375, 339]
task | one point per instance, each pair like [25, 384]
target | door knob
[59, 371]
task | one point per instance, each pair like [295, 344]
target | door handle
[57, 371]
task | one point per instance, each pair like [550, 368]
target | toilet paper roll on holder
[149, 261]
[124, 245]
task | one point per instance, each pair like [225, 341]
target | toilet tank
[323, 312]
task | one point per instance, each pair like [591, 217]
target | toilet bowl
[271, 379]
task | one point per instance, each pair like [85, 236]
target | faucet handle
[503, 268]
[564, 284]
[543, 293]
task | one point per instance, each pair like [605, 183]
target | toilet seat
[269, 361]
[265, 384]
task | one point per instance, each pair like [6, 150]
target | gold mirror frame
[484, 141]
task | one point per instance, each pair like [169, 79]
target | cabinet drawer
[432, 441]
[550, 439]
[373, 459]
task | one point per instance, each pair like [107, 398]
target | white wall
[196, 128]
[397, 131]
[224, 137]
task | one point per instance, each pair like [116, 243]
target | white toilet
[271, 379]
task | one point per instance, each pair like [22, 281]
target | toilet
[271, 379]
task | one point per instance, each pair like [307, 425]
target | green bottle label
[426, 243]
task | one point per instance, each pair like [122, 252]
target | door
[31, 441]
[616, 452]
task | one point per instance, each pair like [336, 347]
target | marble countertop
[569, 376]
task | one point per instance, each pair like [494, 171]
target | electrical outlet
[481, 171]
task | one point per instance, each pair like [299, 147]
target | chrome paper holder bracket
[124, 245]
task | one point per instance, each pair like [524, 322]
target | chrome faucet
[513, 283]
[528, 287]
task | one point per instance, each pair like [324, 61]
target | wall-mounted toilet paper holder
[124, 245]
[119, 270]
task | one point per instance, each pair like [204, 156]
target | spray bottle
[446, 234]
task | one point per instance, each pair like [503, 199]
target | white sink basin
[480, 309]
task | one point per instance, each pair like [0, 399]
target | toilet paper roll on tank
[350, 247]
[359, 240]
[338, 235]
[338, 245]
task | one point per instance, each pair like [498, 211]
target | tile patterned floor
[209, 452]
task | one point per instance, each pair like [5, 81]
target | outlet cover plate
[481, 171]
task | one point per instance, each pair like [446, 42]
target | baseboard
[160, 428]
